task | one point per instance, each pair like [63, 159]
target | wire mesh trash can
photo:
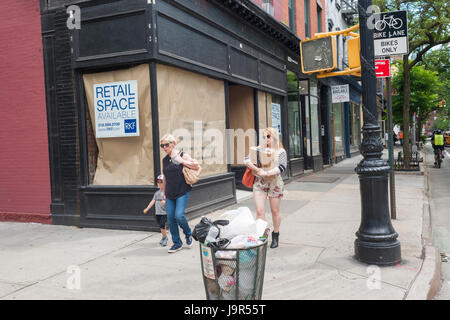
[233, 274]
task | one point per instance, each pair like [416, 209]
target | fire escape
[349, 11]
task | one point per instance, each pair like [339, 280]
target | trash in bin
[233, 259]
[202, 229]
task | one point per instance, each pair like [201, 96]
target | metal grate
[238, 274]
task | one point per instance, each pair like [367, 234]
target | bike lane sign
[391, 33]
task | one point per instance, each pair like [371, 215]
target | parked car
[429, 132]
[447, 138]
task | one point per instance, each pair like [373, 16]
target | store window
[307, 138]
[119, 127]
[303, 87]
[242, 122]
[294, 120]
[315, 142]
[269, 111]
[276, 114]
[338, 128]
[314, 112]
[354, 121]
[192, 108]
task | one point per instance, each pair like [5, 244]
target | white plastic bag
[243, 242]
[241, 223]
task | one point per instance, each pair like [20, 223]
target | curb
[427, 282]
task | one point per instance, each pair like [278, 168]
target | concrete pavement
[439, 208]
[321, 213]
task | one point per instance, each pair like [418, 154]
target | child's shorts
[272, 188]
[162, 219]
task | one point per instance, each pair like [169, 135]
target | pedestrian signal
[318, 54]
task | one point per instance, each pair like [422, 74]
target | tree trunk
[419, 129]
[406, 115]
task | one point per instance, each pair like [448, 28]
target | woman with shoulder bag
[176, 190]
[268, 183]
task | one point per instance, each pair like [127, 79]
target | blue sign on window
[130, 125]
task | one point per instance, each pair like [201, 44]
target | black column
[376, 241]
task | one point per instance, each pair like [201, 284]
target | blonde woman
[176, 190]
[269, 184]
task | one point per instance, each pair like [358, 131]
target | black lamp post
[376, 241]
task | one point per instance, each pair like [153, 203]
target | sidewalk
[321, 214]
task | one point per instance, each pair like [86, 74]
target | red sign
[382, 68]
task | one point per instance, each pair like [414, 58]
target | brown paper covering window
[193, 103]
[125, 160]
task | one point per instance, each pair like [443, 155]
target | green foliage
[439, 60]
[424, 97]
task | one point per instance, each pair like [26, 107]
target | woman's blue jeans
[175, 217]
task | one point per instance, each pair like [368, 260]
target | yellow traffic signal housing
[353, 47]
[318, 55]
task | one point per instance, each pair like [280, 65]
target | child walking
[159, 201]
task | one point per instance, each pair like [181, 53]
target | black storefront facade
[221, 62]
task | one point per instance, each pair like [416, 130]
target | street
[439, 187]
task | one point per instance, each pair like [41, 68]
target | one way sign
[391, 33]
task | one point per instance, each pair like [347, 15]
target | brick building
[25, 192]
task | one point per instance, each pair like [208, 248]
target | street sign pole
[376, 241]
[391, 151]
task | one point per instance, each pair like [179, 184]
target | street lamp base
[378, 253]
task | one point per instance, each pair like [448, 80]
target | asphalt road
[439, 182]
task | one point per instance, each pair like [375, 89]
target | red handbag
[248, 179]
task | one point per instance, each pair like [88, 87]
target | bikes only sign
[391, 33]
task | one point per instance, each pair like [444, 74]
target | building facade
[346, 116]
[308, 116]
[111, 77]
[25, 188]
[201, 70]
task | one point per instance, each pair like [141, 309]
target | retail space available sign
[382, 68]
[116, 109]
[390, 33]
[340, 93]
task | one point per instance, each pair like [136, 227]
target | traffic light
[353, 47]
[318, 55]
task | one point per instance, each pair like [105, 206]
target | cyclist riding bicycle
[437, 141]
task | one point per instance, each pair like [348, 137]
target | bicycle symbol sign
[390, 22]
[390, 33]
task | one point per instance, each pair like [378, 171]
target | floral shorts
[273, 188]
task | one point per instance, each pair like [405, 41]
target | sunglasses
[165, 145]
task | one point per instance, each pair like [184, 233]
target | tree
[428, 27]
[439, 60]
[424, 95]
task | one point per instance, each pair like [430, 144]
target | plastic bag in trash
[243, 242]
[201, 230]
[227, 254]
[241, 223]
